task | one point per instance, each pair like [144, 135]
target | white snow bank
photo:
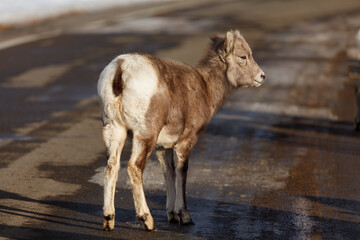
[19, 11]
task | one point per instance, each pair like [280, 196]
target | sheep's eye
[243, 57]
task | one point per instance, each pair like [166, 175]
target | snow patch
[19, 11]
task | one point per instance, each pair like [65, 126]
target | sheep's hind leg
[114, 137]
[141, 150]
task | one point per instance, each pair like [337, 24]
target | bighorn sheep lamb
[166, 105]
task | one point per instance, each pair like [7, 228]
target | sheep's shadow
[213, 219]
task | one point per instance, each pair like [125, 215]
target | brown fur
[173, 107]
[117, 81]
[149, 145]
[188, 97]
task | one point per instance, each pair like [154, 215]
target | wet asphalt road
[277, 162]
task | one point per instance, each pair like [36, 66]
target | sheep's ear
[229, 42]
[237, 33]
[227, 45]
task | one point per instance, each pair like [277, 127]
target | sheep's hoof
[148, 221]
[184, 218]
[109, 222]
[171, 217]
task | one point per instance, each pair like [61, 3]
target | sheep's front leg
[114, 137]
[166, 160]
[141, 150]
[182, 152]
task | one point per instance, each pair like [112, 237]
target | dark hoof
[109, 222]
[171, 218]
[184, 218]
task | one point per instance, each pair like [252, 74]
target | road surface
[277, 162]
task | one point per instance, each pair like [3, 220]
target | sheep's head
[242, 70]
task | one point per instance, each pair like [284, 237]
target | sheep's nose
[263, 76]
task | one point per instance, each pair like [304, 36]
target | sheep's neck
[213, 71]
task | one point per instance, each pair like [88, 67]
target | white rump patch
[140, 84]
